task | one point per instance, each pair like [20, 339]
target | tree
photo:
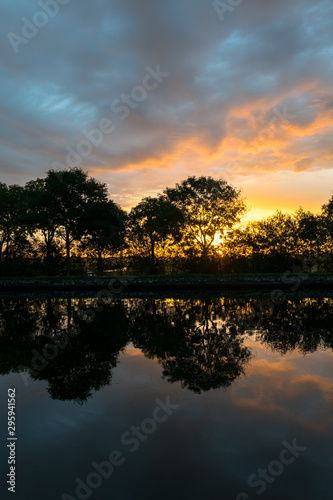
[152, 222]
[312, 235]
[11, 210]
[327, 211]
[104, 229]
[267, 245]
[42, 214]
[276, 234]
[73, 192]
[5, 217]
[209, 207]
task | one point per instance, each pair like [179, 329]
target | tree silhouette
[209, 207]
[73, 192]
[11, 225]
[191, 227]
[42, 215]
[151, 223]
[103, 230]
[327, 212]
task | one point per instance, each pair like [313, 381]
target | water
[181, 398]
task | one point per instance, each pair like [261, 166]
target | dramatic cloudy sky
[247, 95]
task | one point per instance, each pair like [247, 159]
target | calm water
[223, 398]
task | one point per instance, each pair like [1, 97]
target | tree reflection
[303, 325]
[85, 364]
[19, 322]
[198, 343]
[81, 367]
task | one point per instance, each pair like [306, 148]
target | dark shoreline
[125, 284]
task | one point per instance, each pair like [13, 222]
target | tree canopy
[209, 207]
[152, 222]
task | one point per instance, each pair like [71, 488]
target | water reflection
[195, 341]
[303, 326]
[85, 364]
[74, 344]
[53, 341]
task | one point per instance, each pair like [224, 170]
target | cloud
[246, 96]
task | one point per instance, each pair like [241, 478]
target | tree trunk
[68, 253]
[69, 313]
[204, 257]
[100, 264]
[1, 246]
[48, 257]
[153, 252]
[152, 265]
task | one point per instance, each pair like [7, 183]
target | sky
[142, 94]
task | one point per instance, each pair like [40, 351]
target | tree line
[66, 223]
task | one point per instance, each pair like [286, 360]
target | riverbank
[127, 284]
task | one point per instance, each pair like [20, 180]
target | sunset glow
[152, 95]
